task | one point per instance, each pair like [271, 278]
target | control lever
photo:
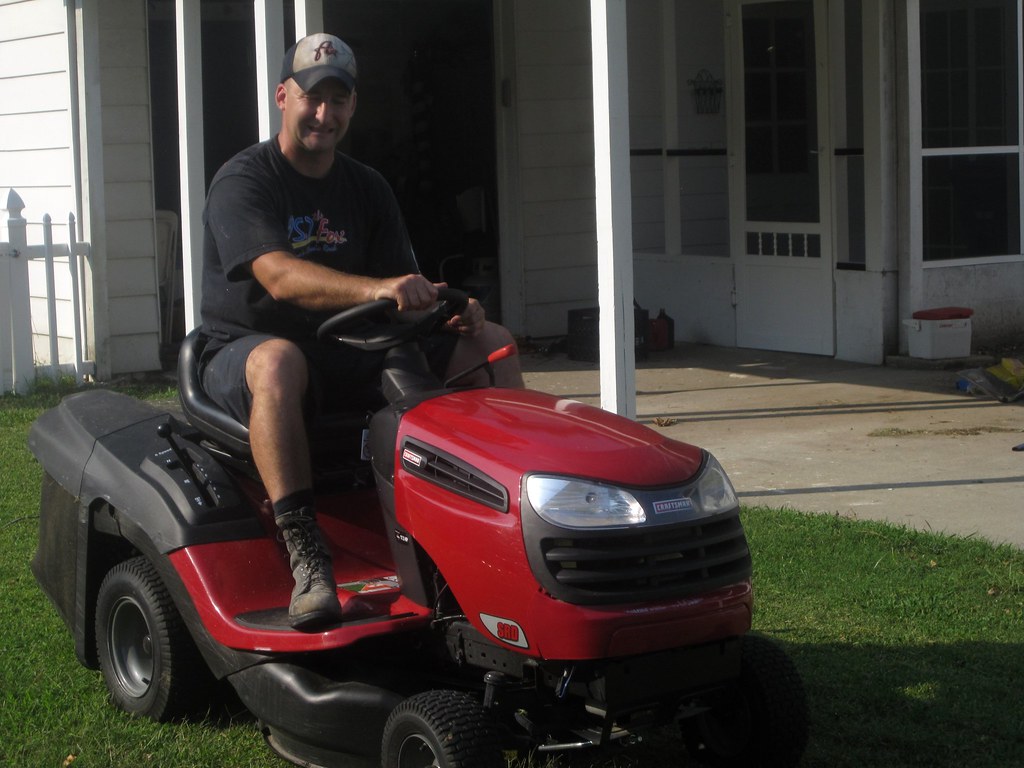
[184, 460]
[499, 354]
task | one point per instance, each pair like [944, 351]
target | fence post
[16, 326]
[76, 299]
[51, 297]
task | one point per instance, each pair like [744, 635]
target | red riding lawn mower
[519, 573]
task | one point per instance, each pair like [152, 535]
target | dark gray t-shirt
[259, 203]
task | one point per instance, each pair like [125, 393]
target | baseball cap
[319, 56]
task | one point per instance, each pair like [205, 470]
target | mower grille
[448, 472]
[603, 567]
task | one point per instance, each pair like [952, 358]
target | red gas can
[662, 332]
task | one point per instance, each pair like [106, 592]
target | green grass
[911, 647]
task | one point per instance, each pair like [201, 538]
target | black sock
[294, 502]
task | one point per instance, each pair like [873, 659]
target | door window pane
[780, 105]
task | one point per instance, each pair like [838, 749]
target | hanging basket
[707, 93]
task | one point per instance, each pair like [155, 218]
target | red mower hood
[526, 431]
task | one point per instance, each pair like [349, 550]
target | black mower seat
[338, 430]
[202, 412]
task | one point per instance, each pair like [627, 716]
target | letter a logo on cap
[317, 57]
[326, 48]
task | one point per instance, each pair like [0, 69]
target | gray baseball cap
[317, 57]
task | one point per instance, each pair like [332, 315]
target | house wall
[690, 276]
[35, 103]
[127, 166]
[680, 202]
[41, 66]
[993, 291]
[865, 308]
[555, 138]
[36, 156]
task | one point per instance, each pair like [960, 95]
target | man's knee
[498, 336]
[472, 350]
[277, 365]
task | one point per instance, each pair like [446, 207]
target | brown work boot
[315, 597]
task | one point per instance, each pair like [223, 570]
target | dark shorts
[341, 378]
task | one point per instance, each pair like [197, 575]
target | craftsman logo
[412, 458]
[682, 505]
[506, 630]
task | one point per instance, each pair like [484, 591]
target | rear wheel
[761, 722]
[149, 662]
[440, 729]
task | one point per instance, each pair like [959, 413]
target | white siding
[35, 123]
[556, 153]
[37, 158]
[134, 320]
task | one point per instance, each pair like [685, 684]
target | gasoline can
[662, 334]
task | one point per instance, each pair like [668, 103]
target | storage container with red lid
[940, 333]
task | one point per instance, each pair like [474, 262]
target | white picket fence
[43, 328]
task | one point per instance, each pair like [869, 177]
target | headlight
[574, 503]
[713, 492]
[582, 504]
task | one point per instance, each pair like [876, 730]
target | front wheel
[440, 729]
[149, 662]
[761, 722]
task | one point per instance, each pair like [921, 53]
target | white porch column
[614, 206]
[911, 268]
[269, 27]
[190, 149]
[309, 18]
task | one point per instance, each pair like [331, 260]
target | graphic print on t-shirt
[314, 233]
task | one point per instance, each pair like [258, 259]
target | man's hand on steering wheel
[377, 325]
[470, 321]
[410, 292]
[415, 293]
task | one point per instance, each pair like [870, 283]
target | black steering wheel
[378, 325]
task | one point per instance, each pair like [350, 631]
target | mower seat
[336, 433]
[200, 410]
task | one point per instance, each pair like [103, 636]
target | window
[970, 128]
[780, 112]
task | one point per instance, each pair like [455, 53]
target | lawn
[911, 646]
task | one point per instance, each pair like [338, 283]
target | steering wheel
[378, 325]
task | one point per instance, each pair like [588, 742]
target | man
[295, 231]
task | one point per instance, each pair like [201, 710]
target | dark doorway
[425, 119]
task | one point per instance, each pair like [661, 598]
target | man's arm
[315, 287]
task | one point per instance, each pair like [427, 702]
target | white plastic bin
[944, 332]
